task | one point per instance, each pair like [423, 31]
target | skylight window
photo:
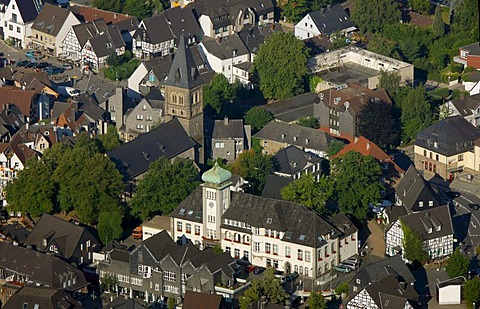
[302, 237]
[269, 220]
[182, 211]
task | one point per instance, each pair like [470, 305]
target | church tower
[184, 95]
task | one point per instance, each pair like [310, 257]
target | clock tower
[216, 199]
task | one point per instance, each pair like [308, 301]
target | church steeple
[184, 72]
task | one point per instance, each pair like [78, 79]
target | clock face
[210, 204]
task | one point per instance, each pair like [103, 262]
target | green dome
[216, 175]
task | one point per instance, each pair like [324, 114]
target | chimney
[329, 6]
[368, 146]
[355, 140]
[218, 39]
[225, 120]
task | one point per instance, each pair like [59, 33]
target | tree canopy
[309, 192]
[376, 123]
[254, 167]
[309, 122]
[471, 292]
[357, 183]
[217, 94]
[110, 140]
[390, 81]
[164, 186]
[373, 15]
[316, 301]
[413, 249]
[457, 264]
[334, 147]
[281, 64]
[295, 10]
[258, 117]
[420, 6]
[267, 286]
[438, 25]
[416, 113]
[109, 226]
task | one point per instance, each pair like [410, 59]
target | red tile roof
[91, 14]
[420, 20]
[23, 99]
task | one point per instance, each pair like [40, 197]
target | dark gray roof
[431, 223]
[388, 288]
[466, 105]
[182, 20]
[168, 139]
[46, 298]
[452, 135]
[253, 36]
[274, 185]
[64, 235]
[474, 48]
[86, 31]
[228, 128]
[412, 189]
[87, 105]
[106, 43]
[29, 9]
[453, 281]
[42, 268]
[296, 135]
[191, 207]
[15, 232]
[292, 160]
[183, 72]
[289, 110]
[99, 88]
[51, 19]
[155, 30]
[122, 302]
[223, 48]
[332, 19]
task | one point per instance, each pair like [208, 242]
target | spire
[184, 72]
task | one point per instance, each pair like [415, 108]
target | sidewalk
[466, 186]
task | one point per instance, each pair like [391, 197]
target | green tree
[295, 10]
[109, 226]
[334, 147]
[309, 122]
[376, 123]
[471, 292]
[413, 249]
[373, 15]
[217, 93]
[390, 81]
[416, 113]
[357, 183]
[108, 282]
[110, 140]
[108, 5]
[381, 45]
[420, 6]
[457, 264]
[258, 117]
[316, 301]
[465, 17]
[171, 302]
[267, 286]
[254, 167]
[317, 5]
[281, 64]
[308, 192]
[33, 191]
[217, 249]
[164, 186]
[140, 9]
[438, 25]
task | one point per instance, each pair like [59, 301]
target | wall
[473, 61]
[134, 81]
[62, 34]
[306, 28]
[450, 295]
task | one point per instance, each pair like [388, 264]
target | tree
[308, 192]
[316, 301]
[373, 15]
[33, 191]
[108, 282]
[465, 17]
[172, 302]
[267, 286]
[164, 186]
[281, 64]
[317, 5]
[309, 122]
[295, 10]
[108, 5]
[471, 292]
[334, 147]
[420, 6]
[438, 25]
[381, 45]
[110, 140]
[109, 226]
[357, 183]
[413, 249]
[254, 167]
[140, 9]
[258, 117]
[416, 113]
[390, 81]
[376, 123]
[217, 249]
[217, 93]
[457, 264]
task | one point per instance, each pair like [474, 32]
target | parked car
[42, 65]
[30, 65]
[258, 270]
[67, 66]
[34, 54]
[342, 269]
[474, 206]
[54, 70]
[349, 264]
[22, 63]
[68, 91]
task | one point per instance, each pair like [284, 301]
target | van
[349, 265]
[68, 91]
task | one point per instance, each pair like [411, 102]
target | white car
[68, 91]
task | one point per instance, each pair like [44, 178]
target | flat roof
[350, 72]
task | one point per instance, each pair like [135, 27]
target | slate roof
[292, 160]
[39, 267]
[51, 19]
[99, 88]
[296, 135]
[15, 232]
[437, 220]
[292, 109]
[169, 139]
[197, 300]
[228, 129]
[223, 48]
[29, 9]
[253, 36]
[274, 185]
[29, 297]
[124, 303]
[452, 135]
[183, 72]
[473, 49]
[182, 20]
[466, 105]
[453, 281]
[412, 188]
[389, 289]
[332, 19]
[65, 235]
[86, 31]
[108, 42]
[155, 30]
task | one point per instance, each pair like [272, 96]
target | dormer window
[439, 228]
[430, 203]
[430, 230]
[420, 204]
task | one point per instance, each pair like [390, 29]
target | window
[436, 157]
[275, 249]
[219, 145]
[10, 27]
[460, 157]
[179, 226]
[245, 254]
[228, 249]
[307, 256]
[188, 228]
[197, 229]
[420, 204]
[257, 246]
[18, 29]
[268, 247]
[217, 31]
[144, 107]
[424, 153]
[169, 276]
[14, 18]
[430, 203]
[287, 252]
[211, 219]
[237, 253]
[112, 109]
[300, 254]
[157, 287]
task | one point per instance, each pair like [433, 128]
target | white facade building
[18, 19]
